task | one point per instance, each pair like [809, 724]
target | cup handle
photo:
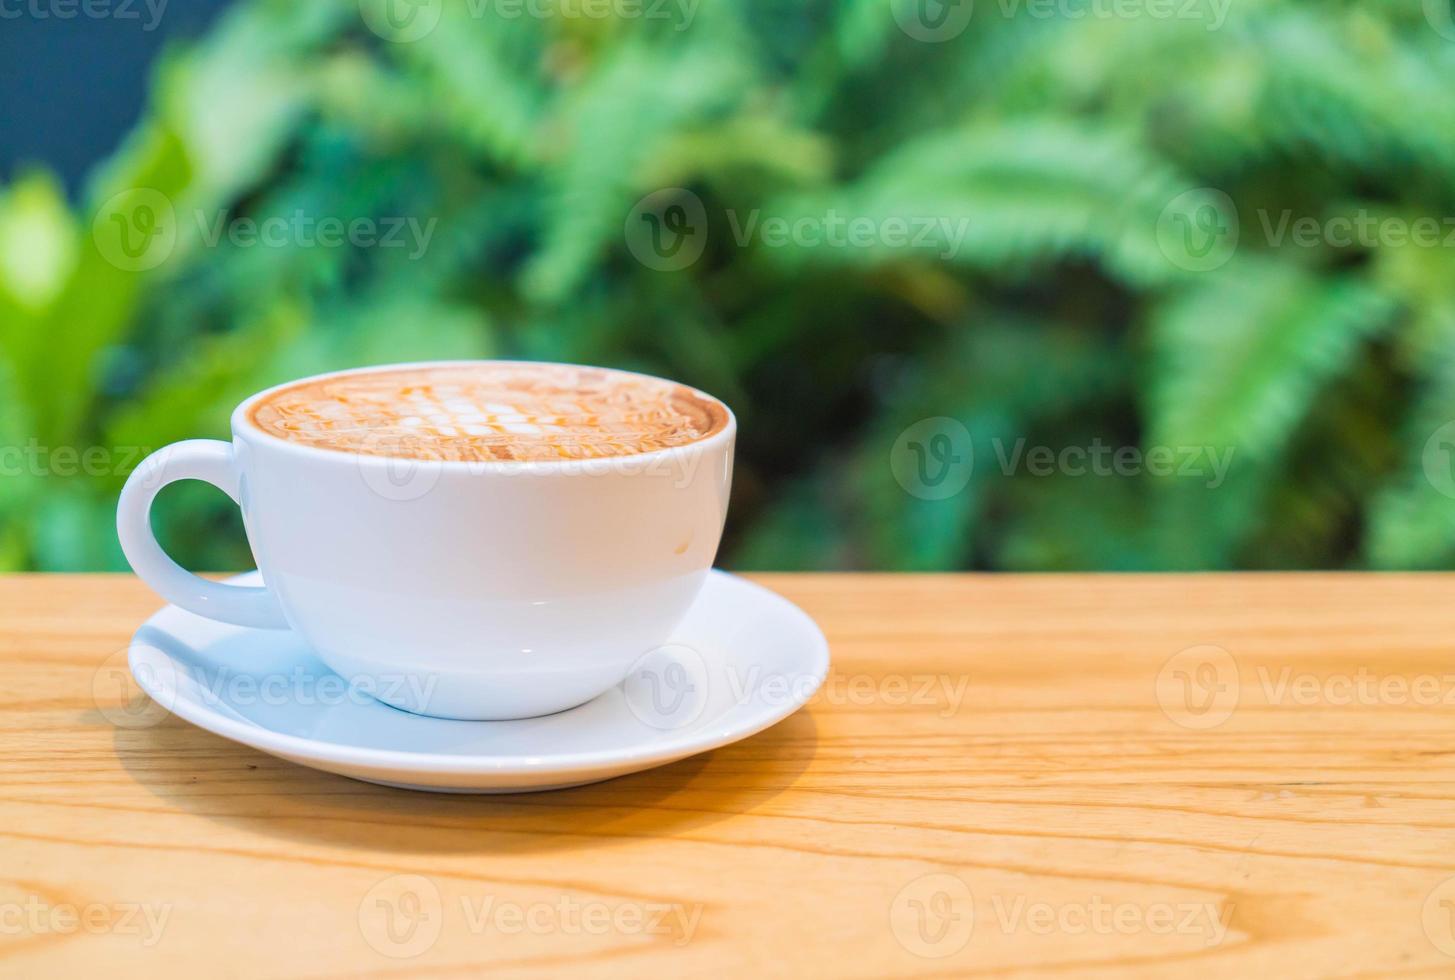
[212, 462]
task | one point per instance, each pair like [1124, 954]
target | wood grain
[1059, 775]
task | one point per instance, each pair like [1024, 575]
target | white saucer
[742, 659]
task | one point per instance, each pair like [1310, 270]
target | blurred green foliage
[1069, 156]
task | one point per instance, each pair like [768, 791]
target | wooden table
[1242, 775]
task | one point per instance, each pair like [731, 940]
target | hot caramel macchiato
[490, 411]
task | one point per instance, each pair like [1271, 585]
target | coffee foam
[490, 411]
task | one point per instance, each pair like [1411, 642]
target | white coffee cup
[464, 590]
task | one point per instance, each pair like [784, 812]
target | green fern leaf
[613, 142]
[1412, 522]
[1239, 356]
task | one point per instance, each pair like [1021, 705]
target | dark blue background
[70, 90]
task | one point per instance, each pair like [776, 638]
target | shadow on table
[196, 771]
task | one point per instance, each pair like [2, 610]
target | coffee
[490, 411]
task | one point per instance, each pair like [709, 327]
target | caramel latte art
[490, 411]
